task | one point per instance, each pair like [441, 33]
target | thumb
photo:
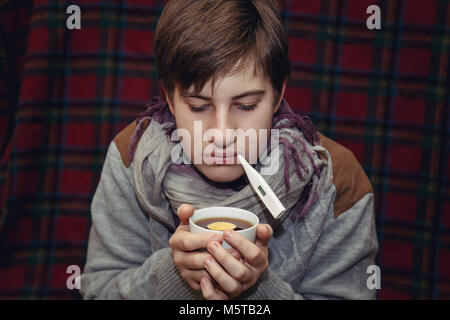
[185, 211]
[263, 234]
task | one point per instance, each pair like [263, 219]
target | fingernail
[235, 254]
[227, 234]
[212, 246]
[208, 262]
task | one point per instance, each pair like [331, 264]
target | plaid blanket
[64, 94]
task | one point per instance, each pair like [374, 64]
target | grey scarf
[162, 186]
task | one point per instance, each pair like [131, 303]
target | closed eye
[246, 108]
[242, 107]
[198, 109]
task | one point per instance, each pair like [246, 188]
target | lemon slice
[220, 226]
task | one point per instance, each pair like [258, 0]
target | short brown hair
[199, 40]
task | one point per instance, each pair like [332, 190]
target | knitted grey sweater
[325, 256]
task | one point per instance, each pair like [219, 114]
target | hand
[183, 244]
[234, 276]
[185, 249]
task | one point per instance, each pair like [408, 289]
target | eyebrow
[239, 96]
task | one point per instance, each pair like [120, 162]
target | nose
[224, 126]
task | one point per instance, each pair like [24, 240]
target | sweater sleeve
[337, 268]
[120, 263]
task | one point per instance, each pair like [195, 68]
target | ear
[281, 96]
[169, 102]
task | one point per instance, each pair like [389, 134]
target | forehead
[241, 76]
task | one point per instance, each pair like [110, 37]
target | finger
[185, 241]
[252, 253]
[183, 227]
[236, 254]
[231, 265]
[197, 275]
[185, 211]
[223, 279]
[209, 292]
[192, 260]
[264, 233]
[193, 277]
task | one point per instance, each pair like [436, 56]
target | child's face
[241, 101]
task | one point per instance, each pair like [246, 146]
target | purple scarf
[157, 109]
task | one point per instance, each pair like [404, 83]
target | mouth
[220, 158]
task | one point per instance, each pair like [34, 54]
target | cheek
[261, 121]
[192, 148]
[185, 130]
[263, 117]
[258, 119]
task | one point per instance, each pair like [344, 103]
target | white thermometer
[265, 193]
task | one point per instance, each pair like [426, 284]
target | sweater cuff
[171, 285]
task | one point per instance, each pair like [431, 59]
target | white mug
[224, 212]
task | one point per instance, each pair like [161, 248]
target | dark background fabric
[64, 94]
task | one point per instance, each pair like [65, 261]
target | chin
[221, 173]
